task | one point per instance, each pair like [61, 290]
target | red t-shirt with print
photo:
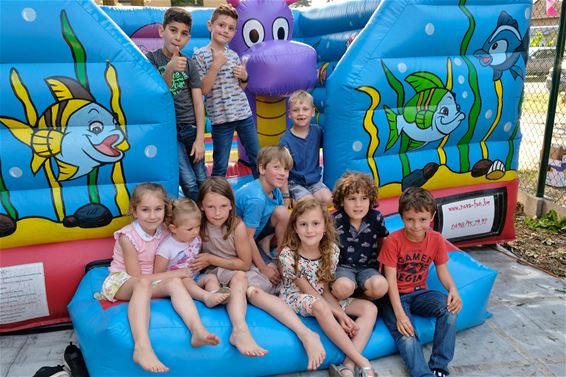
[412, 259]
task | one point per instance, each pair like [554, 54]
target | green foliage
[549, 221]
[186, 3]
[536, 39]
[301, 3]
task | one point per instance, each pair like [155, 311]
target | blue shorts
[298, 191]
[358, 275]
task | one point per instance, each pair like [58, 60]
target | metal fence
[542, 157]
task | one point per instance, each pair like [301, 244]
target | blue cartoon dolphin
[503, 48]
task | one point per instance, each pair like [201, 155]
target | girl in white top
[226, 248]
[179, 249]
[132, 278]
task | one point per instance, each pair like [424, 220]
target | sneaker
[438, 373]
[75, 361]
[57, 371]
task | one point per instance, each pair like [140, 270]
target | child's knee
[407, 342]
[141, 284]
[239, 279]
[369, 309]
[173, 284]
[324, 196]
[280, 215]
[252, 293]
[320, 308]
[376, 287]
[343, 288]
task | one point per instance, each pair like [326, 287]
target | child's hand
[288, 203]
[404, 325]
[272, 274]
[183, 273]
[454, 301]
[240, 72]
[218, 57]
[200, 262]
[348, 324]
[197, 151]
[178, 63]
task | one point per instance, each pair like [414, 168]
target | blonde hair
[301, 96]
[220, 186]
[224, 10]
[152, 189]
[327, 243]
[352, 183]
[274, 153]
[181, 209]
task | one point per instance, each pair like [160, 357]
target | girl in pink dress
[132, 279]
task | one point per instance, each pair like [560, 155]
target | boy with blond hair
[224, 79]
[304, 140]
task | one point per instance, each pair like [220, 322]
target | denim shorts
[298, 191]
[358, 275]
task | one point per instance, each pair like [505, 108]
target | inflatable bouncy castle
[413, 92]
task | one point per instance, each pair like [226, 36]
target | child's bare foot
[147, 359]
[204, 338]
[220, 296]
[315, 350]
[243, 341]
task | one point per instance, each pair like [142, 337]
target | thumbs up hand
[178, 62]
[240, 71]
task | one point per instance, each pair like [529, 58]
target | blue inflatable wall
[428, 94]
[83, 119]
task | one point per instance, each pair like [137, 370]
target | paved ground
[525, 337]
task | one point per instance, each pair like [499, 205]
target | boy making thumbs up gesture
[224, 77]
[183, 80]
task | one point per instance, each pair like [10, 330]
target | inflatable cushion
[106, 341]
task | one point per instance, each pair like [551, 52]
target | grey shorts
[358, 275]
[255, 278]
[297, 191]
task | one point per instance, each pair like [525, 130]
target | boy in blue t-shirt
[183, 80]
[304, 141]
[260, 205]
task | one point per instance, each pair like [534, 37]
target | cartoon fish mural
[503, 48]
[430, 115]
[72, 138]
[78, 133]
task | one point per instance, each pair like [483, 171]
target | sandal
[366, 372]
[340, 371]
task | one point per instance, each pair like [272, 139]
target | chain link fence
[544, 34]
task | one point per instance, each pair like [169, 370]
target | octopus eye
[253, 32]
[280, 28]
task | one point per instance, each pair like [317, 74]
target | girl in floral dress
[308, 260]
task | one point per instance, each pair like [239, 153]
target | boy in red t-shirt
[406, 256]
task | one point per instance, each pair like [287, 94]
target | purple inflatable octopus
[277, 66]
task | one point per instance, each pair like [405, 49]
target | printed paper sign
[468, 217]
[22, 293]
